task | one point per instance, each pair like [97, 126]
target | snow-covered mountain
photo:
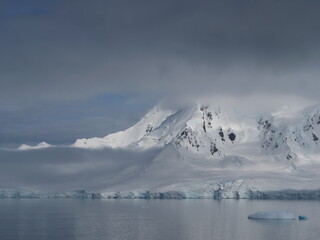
[196, 129]
[204, 151]
[202, 131]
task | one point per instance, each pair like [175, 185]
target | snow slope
[130, 136]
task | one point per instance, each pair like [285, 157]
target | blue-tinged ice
[285, 215]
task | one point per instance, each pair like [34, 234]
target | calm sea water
[153, 219]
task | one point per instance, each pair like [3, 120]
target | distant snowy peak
[130, 136]
[38, 146]
[197, 128]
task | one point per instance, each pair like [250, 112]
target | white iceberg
[284, 215]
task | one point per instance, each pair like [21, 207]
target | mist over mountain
[198, 151]
[237, 81]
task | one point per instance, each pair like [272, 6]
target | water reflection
[153, 219]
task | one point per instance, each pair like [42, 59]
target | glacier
[198, 151]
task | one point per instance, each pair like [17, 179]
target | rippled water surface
[153, 219]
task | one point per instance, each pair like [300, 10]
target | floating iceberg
[285, 215]
[303, 218]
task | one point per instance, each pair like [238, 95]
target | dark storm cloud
[57, 55]
[71, 49]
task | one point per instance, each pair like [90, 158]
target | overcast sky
[80, 68]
